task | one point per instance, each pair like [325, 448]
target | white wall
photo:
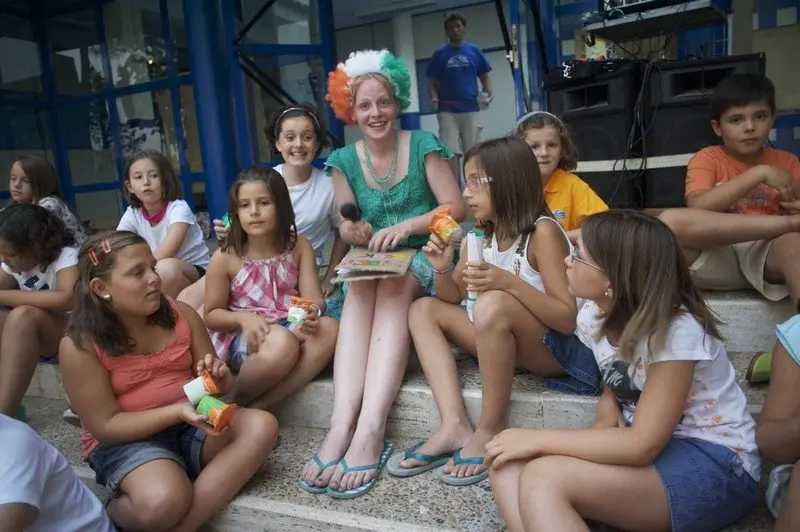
[483, 29]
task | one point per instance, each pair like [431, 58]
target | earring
[607, 293]
[107, 297]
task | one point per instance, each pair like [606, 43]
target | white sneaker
[72, 418]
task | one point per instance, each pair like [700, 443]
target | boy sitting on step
[778, 434]
[742, 227]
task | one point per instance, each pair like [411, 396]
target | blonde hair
[538, 120]
[650, 279]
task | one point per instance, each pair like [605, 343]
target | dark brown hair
[454, 16]
[515, 187]
[41, 175]
[650, 278]
[35, 232]
[273, 128]
[93, 319]
[569, 152]
[169, 182]
[740, 90]
[286, 227]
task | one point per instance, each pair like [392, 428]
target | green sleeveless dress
[407, 198]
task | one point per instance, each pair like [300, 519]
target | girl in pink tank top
[128, 352]
[249, 286]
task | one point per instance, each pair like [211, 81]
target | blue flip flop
[313, 488]
[395, 469]
[364, 488]
[450, 480]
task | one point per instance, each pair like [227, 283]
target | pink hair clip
[106, 246]
[93, 257]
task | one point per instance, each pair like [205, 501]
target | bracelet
[315, 308]
[443, 272]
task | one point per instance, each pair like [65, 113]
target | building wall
[483, 30]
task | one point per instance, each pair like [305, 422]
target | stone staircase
[273, 501]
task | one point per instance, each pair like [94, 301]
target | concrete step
[748, 320]
[414, 415]
[272, 501]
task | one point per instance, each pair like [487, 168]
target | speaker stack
[598, 104]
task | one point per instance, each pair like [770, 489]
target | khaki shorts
[736, 267]
[458, 130]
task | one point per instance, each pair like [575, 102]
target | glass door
[282, 51]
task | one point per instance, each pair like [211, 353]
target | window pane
[178, 28]
[85, 130]
[75, 50]
[199, 196]
[103, 204]
[190, 135]
[135, 41]
[146, 123]
[285, 22]
[300, 76]
[22, 131]
[20, 70]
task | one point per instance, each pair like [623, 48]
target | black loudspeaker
[596, 101]
[680, 119]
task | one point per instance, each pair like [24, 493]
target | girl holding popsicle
[128, 353]
[522, 306]
[299, 133]
[263, 301]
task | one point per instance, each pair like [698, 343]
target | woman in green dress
[398, 180]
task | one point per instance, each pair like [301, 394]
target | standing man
[452, 73]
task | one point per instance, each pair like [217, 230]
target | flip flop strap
[476, 460]
[321, 465]
[347, 469]
[422, 457]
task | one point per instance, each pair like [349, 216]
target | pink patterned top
[262, 287]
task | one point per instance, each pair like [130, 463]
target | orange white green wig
[380, 62]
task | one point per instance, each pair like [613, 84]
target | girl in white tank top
[523, 299]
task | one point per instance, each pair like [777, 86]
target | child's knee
[24, 319]
[280, 347]
[258, 426]
[786, 250]
[422, 311]
[491, 311]
[163, 504]
[674, 219]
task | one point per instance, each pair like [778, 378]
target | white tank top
[515, 258]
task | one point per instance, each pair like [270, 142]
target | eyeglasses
[474, 182]
[576, 258]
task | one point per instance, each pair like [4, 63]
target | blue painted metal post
[328, 34]
[513, 16]
[547, 11]
[213, 105]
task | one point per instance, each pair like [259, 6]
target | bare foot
[333, 448]
[365, 449]
[446, 440]
[475, 447]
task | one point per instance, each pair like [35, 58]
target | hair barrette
[93, 257]
[106, 245]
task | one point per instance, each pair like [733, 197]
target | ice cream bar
[444, 225]
[474, 253]
[298, 312]
[226, 219]
[200, 387]
[218, 414]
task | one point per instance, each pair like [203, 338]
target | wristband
[443, 272]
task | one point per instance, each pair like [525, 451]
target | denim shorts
[706, 484]
[237, 354]
[577, 361]
[181, 443]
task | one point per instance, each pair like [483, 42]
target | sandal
[313, 488]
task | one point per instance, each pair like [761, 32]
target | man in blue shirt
[453, 74]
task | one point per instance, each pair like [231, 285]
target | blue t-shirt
[457, 71]
[789, 336]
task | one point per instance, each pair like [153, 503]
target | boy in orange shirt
[742, 229]
[568, 197]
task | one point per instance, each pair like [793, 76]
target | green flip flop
[364, 488]
[760, 367]
[313, 488]
[394, 468]
[450, 480]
